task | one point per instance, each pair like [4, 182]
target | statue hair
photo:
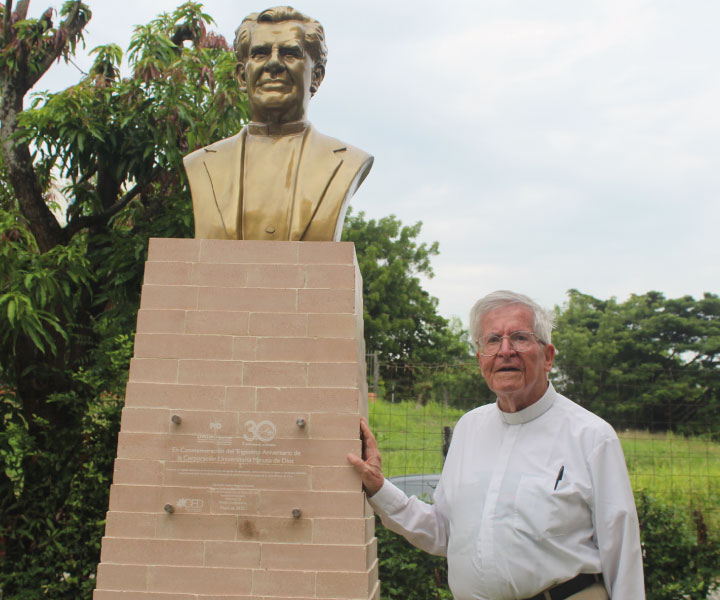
[314, 32]
[543, 320]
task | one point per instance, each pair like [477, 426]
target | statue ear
[240, 76]
[316, 77]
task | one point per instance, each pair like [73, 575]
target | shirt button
[270, 229]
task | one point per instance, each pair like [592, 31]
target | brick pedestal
[244, 397]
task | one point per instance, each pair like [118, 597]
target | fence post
[446, 439]
[376, 372]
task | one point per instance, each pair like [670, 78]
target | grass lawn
[679, 469]
[410, 436]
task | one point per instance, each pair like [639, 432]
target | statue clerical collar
[273, 129]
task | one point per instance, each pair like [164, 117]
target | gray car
[422, 486]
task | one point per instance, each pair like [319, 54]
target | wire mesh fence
[672, 447]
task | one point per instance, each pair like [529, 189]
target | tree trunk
[15, 82]
[19, 167]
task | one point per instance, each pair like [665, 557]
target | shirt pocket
[544, 512]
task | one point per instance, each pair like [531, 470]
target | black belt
[567, 589]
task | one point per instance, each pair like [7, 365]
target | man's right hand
[370, 465]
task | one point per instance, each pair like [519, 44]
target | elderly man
[534, 499]
[278, 179]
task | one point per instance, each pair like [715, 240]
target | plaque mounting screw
[296, 513]
[177, 419]
[300, 422]
[169, 509]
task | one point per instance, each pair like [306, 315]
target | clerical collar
[255, 128]
[533, 411]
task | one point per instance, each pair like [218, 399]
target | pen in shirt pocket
[560, 474]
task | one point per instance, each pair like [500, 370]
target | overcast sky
[545, 145]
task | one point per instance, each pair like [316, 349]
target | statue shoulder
[220, 147]
[349, 153]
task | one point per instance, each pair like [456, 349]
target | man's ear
[240, 76]
[549, 351]
[316, 77]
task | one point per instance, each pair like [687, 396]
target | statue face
[278, 73]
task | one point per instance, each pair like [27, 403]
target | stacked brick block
[244, 396]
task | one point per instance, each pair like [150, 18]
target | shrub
[681, 557]
[407, 573]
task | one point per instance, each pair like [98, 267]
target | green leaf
[35, 336]
[11, 308]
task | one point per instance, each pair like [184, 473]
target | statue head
[281, 56]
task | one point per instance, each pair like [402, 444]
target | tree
[418, 348]
[94, 171]
[401, 319]
[650, 362]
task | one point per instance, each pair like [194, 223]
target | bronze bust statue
[278, 178]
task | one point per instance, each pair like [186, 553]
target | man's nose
[505, 346]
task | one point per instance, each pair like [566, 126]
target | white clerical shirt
[527, 500]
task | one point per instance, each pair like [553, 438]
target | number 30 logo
[264, 431]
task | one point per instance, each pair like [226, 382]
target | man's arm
[422, 524]
[616, 523]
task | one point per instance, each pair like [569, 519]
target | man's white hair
[543, 320]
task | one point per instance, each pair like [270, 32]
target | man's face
[278, 73]
[518, 378]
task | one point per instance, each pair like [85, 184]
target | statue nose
[274, 65]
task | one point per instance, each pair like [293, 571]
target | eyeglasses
[520, 341]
